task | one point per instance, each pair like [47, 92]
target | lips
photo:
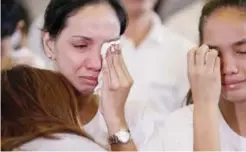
[232, 82]
[231, 85]
[90, 80]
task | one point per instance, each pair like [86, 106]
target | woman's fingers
[191, 58]
[118, 74]
[201, 55]
[217, 66]
[118, 67]
[211, 59]
[114, 81]
[123, 64]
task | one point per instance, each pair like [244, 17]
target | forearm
[206, 127]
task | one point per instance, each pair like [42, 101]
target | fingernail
[112, 49]
[205, 46]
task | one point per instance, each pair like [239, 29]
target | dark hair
[213, 5]
[158, 6]
[210, 7]
[58, 11]
[12, 12]
[37, 103]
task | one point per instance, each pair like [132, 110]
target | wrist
[116, 124]
[206, 103]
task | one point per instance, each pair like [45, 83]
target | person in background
[14, 27]
[151, 53]
[217, 74]
[41, 111]
[190, 15]
[35, 42]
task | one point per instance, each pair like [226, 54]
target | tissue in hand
[104, 50]
[105, 47]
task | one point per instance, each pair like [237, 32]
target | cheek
[244, 68]
[68, 59]
[241, 62]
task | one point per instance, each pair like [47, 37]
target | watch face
[123, 136]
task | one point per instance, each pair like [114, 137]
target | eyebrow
[113, 39]
[82, 37]
[90, 39]
[238, 43]
[242, 42]
[213, 47]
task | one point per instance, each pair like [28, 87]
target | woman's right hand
[117, 83]
[204, 75]
[205, 80]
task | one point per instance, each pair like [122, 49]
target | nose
[94, 61]
[229, 66]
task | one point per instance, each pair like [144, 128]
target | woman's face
[225, 30]
[77, 50]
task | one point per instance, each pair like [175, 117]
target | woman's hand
[205, 80]
[117, 83]
[204, 75]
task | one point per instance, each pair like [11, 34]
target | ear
[48, 44]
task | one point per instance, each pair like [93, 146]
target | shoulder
[65, 141]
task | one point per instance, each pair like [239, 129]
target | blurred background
[166, 8]
[172, 12]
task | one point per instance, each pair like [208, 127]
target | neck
[138, 27]
[235, 116]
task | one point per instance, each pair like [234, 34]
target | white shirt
[66, 142]
[158, 67]
[185, 22]
[178, 133]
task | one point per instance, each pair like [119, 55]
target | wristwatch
[123, 136]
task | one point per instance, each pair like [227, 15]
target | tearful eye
[243, 53]
[80, 46]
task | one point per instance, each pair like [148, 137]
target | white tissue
[104, 49]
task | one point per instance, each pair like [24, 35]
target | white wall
[35, 7]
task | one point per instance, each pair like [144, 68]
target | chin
[87, 91]
[235, 97]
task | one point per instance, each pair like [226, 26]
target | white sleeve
[67, 142]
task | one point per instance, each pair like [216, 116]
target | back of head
[36, 103]
[12, 11]
[14, 23]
